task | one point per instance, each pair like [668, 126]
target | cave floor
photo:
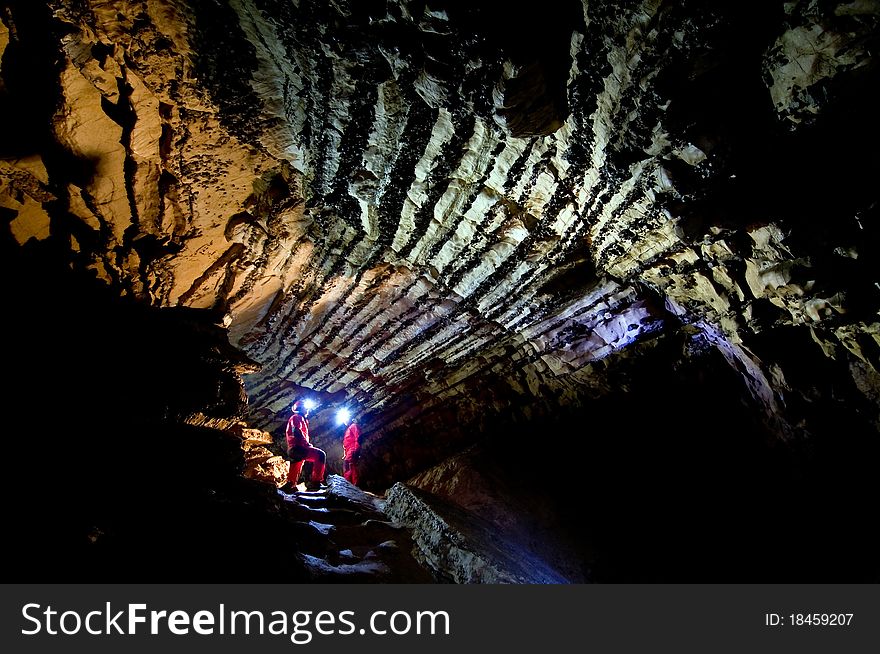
[351, 538]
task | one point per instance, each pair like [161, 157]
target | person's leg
[318, 459]
[354, 472]
[293, 473]
[347, 470]
[351, 468]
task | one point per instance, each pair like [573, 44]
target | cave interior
[596, 279]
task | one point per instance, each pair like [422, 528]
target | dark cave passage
[598, 283]
[678, 479]
[674, 480]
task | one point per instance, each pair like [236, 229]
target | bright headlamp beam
[309, 404]
[343, 416]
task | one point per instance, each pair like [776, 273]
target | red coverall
[301, 449]
[350, 448]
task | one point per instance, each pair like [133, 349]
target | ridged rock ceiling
[402, 202]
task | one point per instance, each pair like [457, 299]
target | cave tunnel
[596, 281]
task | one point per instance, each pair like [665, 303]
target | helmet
[297, 406]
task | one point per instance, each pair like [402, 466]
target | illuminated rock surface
[360, 544]
[462, 547]
[468, 222]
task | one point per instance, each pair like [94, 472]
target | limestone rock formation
[462, 547]
[353, 539]
[476, 492]
[261, 462]
[452, 215]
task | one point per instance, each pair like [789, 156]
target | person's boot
[312, 485]
[288, 488]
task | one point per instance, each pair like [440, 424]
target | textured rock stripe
[493, 226]
[340, 184]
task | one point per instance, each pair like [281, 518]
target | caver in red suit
[299, 447]
[351, 447]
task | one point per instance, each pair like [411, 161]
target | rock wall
[434, 211]
[105, 479]
[461, 546]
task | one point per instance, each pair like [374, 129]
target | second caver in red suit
[351, 447]
[300, 448]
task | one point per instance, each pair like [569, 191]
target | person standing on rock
[351, 447]
[300, 449]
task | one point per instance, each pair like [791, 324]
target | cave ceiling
[396, 201]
